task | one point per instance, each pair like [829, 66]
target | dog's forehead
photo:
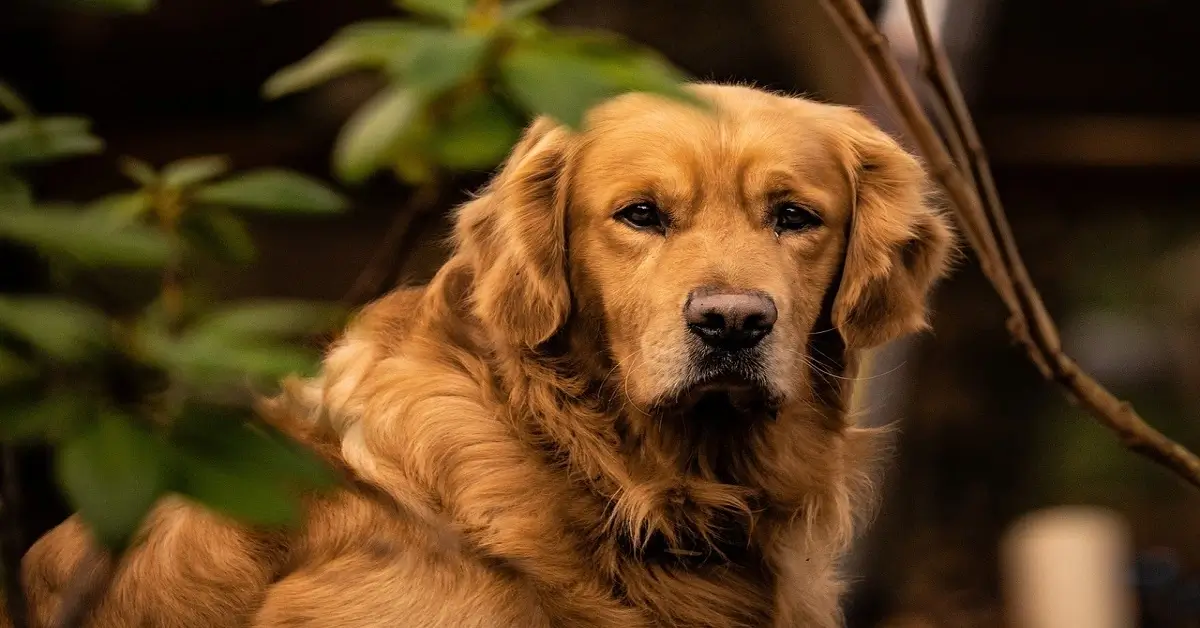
[750, 141]
[737, 120]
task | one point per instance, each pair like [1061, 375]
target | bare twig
[89, 581]
[395, 247]
[12, 540]
[946, 120]
[983, 220]
[962, 133]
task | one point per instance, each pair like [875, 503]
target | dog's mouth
[736, 384]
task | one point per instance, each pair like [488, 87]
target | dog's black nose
[730, 319]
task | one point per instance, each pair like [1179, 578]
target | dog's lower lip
[723, 383]
[736, 387]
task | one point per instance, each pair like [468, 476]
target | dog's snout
[730, 319]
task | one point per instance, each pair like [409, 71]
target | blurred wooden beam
[1092, 140]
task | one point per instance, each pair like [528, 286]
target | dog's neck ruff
[677, 487]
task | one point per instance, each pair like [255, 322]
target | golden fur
[522, 437]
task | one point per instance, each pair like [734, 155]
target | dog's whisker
[625, 374]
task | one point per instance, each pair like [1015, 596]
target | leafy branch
[963, 171]
[149, 396]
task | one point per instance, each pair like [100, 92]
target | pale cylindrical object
[1068, 567]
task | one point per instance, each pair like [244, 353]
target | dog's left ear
[898, 245]
[515, 237]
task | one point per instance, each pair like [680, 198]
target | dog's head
[699, 249]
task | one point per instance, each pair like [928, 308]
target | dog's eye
[641, 216]
[793, 217]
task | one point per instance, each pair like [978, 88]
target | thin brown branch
[936, 68]
[89, 581]
[871, 45]
[12, 539]
[395, 247]
[946, 120]
[986, 225]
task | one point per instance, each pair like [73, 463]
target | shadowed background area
[1093, 126]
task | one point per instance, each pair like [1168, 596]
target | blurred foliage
[150, 399]
[463, 78]
[153, 396]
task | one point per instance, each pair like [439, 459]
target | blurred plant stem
[396, 247]
[168, 210]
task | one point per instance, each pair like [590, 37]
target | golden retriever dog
[622, 401]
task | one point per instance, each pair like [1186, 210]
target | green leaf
[477, 134]
[14, 369]
[267, 319]
[113, 473]
[65, 330]
[188, 172]
[218, 233]
[375, 131]
[524, 8]
[241, 471]
[14, 192]
[246, 497]
[529, 28]
[291, 461]
[116, 6]
[213, 360]
[413, 168]
[441, 60]
[565, 77]
[273, 190]
[230, 434]
[51, 418]
[38, 140]
[120, 209]
[12, 101]
[453, 11]
[366, 45]
[139, 171]
[88, 238]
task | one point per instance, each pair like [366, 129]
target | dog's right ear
[515, 236]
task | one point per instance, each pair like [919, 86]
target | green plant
[463, 78]
[146, 394]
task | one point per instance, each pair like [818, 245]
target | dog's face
[706, 245]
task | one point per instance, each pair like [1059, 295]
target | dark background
[1092, 119]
